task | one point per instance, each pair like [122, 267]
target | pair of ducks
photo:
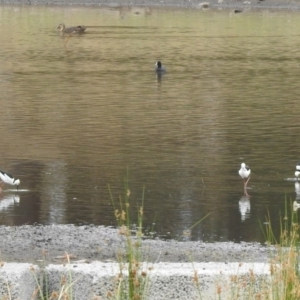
[159, 68]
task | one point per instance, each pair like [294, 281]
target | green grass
[285, 279]
[65, 291]
[283, 283]
[132, 280]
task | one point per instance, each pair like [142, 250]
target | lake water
[77, 115]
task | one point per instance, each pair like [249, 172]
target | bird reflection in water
[159, 77]
[296, 204]
[7, 200]
[244, 207]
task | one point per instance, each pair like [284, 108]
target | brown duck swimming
[70, 30]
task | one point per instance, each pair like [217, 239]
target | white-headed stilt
[245, 174]
[7, 178]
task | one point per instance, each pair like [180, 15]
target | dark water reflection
[75, 118]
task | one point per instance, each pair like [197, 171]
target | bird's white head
[243, 165]
[16, 182]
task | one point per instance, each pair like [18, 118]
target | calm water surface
[74, 118]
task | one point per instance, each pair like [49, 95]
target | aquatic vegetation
[132, 280]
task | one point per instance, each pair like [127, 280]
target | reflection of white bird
[244, 206]
[7, 178]
[297, 191]
[245, 173]
[297, 172]
[9, 200]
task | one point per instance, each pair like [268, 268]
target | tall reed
[285, 255]
[133, 277]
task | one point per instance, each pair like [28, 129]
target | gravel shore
[91, 243]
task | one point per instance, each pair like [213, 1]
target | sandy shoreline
[98, 243]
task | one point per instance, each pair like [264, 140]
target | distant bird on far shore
[9, 179]
[297, 172]
[76, 29]
[245, 173]
[159, 68]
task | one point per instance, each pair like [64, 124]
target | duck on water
[76, 29]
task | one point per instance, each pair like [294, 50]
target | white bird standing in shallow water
[7, 178]
[245, 173]
[297, 173]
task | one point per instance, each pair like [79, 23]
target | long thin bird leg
[245, 187]
[247, 181]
